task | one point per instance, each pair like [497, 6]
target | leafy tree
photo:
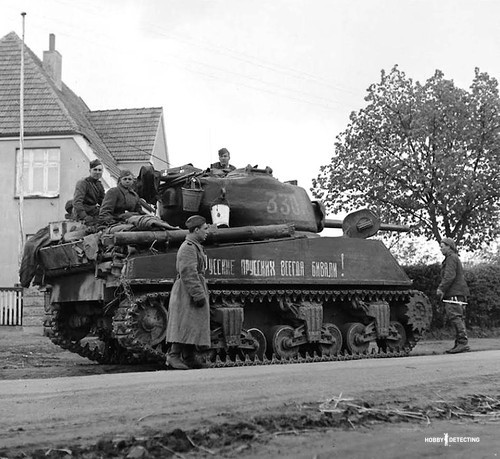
[425, 155]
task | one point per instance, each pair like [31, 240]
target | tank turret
[253, 197]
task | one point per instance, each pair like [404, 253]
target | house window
[40, 173]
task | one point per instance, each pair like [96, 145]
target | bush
[483, 310]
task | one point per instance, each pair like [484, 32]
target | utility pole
[21, 153]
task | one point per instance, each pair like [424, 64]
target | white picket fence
[11, 306]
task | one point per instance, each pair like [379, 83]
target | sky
[273, 81]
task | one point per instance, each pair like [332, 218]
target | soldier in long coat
[89, 194]
[188, 310]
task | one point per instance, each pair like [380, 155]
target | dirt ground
[389, 424]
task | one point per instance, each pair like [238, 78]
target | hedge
[483, 309]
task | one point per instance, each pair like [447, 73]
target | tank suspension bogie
[281, 339]
[356, 337]
[397, 336]
[260, 344]
[331, 340]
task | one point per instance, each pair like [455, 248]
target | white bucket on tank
[220, 215]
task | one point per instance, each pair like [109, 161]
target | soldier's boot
[461, 342]
[450, 351]
[190, 358]
[174, 359]
[460, 347]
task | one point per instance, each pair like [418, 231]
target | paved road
[65, 409]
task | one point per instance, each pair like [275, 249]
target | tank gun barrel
[334, 223]
[214, 235]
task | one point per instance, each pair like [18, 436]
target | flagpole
[21, 153]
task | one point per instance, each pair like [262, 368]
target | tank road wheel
[336, 337]
[260, 344]
[397, 337]
[151, 321]
[281, 337]
[353, 333]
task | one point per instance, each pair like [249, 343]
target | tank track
[109, 352]
[125, 327]
[125, 324]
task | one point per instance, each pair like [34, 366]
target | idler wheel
[281, 340]
[336, 345]
[260, 344]
[397, 336]
[353, 334]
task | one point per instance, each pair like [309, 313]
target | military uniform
[454, 288]
[117, 201]
[188, 323]
[88, 196]
[226, 169]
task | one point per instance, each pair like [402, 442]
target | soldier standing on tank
[453, 290]
[188, 309]
[89, 194]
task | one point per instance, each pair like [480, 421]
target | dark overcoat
[117, 201]
[87, 198]
[452, 277]
[188, 323]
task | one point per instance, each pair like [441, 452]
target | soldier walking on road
[188, 310]
[453, 291]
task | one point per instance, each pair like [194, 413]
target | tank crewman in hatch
[89, 194]
[122, 201]
[453, 290]
[222, 167]
[188, 309]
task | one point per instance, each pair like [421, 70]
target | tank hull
[291, 298]
[319, 261]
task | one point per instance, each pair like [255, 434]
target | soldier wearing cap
[188, 310]
[222, 167]
[121, 201]
[89, 194]
[453, 290]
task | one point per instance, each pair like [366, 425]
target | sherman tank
[279, 291]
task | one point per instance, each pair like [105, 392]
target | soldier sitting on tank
[121, 201]
[123, 204]
[188, 310]
[222, 167]
[89, 194]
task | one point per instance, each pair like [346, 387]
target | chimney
[52, 62]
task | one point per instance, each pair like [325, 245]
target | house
[61, 136]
